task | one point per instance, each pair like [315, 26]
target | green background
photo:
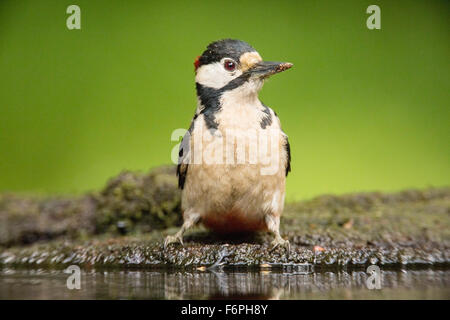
[364, 109]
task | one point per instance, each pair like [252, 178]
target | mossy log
[130, 202]
[124, 225]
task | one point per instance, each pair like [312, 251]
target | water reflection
[218, 284]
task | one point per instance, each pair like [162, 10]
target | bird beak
[265, 69]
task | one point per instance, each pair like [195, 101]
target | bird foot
[280, 242]
[172, 240]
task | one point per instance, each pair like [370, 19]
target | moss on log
[124, 225]
[130, 202]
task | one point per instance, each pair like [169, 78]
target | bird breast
[231, 188]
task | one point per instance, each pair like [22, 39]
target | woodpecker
[220, 169]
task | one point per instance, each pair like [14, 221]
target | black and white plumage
[227, 182]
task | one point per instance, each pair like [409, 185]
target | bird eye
[229, 65]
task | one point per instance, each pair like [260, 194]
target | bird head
[231, 64]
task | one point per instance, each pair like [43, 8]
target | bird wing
[287, 149]
[184, 155]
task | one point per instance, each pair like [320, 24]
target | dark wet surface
[297, 283]
[121, 229]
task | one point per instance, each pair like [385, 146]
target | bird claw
[277, 242]
[173, 239]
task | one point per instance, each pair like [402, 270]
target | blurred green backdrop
[364, 109]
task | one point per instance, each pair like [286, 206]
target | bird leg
[273, 224]
[189, 221]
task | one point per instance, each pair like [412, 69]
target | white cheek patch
[214, 75]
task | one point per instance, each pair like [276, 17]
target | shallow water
[219, 284]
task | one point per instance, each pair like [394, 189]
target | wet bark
[125, 223]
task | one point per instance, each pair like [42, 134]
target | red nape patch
[197, 63]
